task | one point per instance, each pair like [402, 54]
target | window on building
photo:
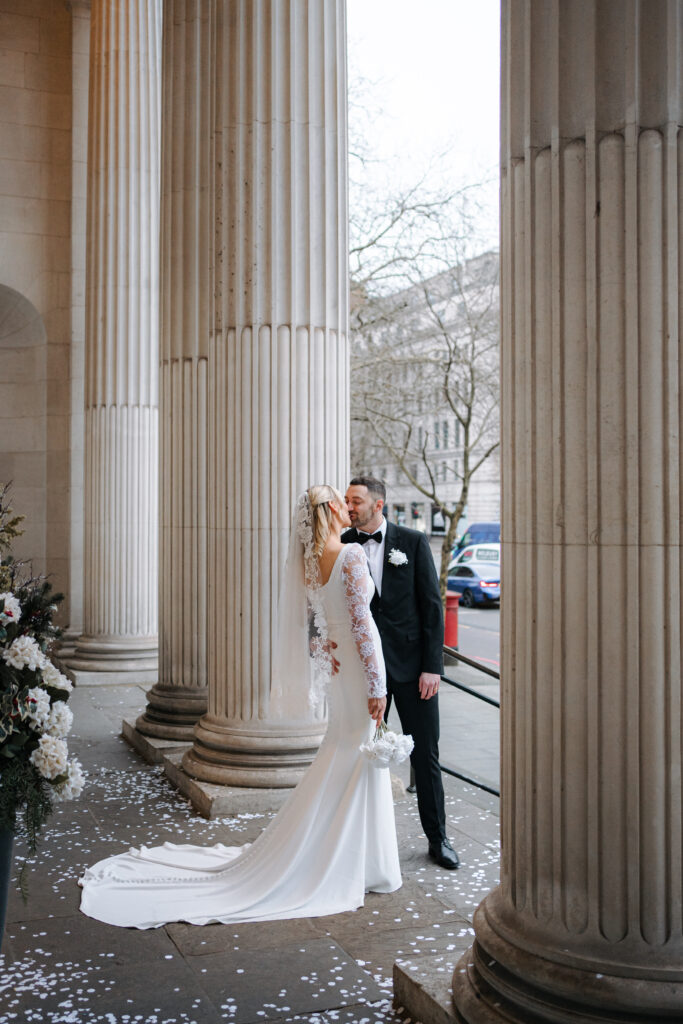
[445, 434]
[436, 433]
[438, 521]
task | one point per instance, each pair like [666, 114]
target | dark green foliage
[25, 796]
[23, 790]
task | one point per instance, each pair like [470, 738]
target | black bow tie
[364, 537]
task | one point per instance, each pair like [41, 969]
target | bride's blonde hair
[320, 496]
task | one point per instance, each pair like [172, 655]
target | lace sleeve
[355, 573]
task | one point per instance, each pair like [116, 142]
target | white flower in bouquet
[24, 652]
[72, 786]
[38, 701]
[54, 678]
[59, 720]
[11, 610]
[387, 747]
[50, 757]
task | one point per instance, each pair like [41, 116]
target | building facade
[425, 395]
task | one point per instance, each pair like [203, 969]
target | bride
[335, 837]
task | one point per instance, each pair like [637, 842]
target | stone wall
[35, 274]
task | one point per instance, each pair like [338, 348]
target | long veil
[301, 656]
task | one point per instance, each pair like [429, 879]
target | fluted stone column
[179, 698]
[80, 48]
[121, 365]
[277, 362]
[587, 924]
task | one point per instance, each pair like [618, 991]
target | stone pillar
[180, 696]
[80, 48]
[277, 364]
[121, 365]
[587, 922]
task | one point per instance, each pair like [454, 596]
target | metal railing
[452, 653]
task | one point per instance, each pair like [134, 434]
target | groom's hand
[376, 708]
[333, 660]
[327, 648]
[429, 684]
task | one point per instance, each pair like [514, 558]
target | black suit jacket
[409, 614]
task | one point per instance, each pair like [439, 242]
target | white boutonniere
[397, 557]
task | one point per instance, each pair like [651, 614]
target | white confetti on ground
[137, 804]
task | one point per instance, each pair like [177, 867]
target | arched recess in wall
[23, 416]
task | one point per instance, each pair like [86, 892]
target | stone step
[422, 987]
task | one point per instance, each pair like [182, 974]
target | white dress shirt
[374, 553]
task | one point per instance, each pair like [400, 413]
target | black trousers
[420, 719]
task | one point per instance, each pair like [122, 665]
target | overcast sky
[435, 73]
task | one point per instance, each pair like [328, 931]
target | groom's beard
[358, 523]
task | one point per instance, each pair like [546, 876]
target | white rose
[50, 756]
[60, 719]
[24, 652]
[38, 701]
[72, 787]
[11, 611]
[54, 678]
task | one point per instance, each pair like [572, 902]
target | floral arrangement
[397, 557]
[387, 747]
[35, 770]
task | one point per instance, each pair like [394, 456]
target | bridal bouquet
[387, 747]
[35, 770]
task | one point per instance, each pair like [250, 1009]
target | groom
[408, 612]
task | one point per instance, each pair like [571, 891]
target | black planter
[6, 844]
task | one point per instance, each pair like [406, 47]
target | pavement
[59, 966]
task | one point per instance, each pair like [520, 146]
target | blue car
[478, 583]
[478, 533]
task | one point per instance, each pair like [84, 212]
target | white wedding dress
[332, 841]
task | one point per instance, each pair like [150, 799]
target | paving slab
[216, 938]
[365, 1014]
[253, 985]
[89, 941]
[378, 952]
[65, 992]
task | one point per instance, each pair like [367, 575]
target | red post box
[451, 631]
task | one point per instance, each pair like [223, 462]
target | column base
[218, 801]
[497, 981]
[172, 712]
[422, 988]
[67, 647]
[259, 756]
[152, 749]
[99, 661]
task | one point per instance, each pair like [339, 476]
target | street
[479, 636]
[470, 728]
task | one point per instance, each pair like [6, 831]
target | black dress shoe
[444, 855]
